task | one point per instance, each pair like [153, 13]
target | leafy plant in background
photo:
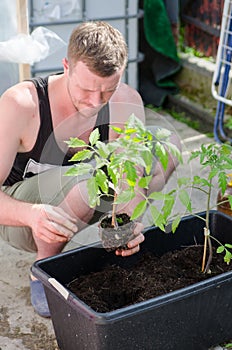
[228, 123]
[216, 159]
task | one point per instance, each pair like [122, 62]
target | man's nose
[96, 98]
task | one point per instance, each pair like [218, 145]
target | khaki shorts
[49, 187]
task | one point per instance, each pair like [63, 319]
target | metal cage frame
[222, 75]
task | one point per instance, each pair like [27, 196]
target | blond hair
[100, 46]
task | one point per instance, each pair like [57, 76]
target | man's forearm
[13, 212]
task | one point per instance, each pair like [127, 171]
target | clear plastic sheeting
[54, 10]
[8, 19]
[29, 49]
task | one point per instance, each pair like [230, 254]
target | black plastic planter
[192, 318]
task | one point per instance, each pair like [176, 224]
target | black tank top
[46, 153]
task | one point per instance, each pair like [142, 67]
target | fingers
[127, 252]
[134, 244]
[50, 237]
[51, 232]
[53, 224]
[59, 216]
[138, 228]
[62, 212]
[61, 230]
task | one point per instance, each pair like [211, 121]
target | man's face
[88, 91]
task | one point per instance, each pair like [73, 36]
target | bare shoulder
[19, 116]
[126, 93]
[125, 102]
[21, 96]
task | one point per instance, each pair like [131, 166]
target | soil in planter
[115, 287]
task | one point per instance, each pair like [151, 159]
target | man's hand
[52, 224]
[133, 245]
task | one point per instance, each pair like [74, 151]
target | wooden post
[23, 27]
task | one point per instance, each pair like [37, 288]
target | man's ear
[65, 65]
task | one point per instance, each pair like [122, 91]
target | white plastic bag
[32, 48]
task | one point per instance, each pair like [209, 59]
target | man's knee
[18, 237]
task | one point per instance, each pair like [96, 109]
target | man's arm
[17, 124]
[124, 102]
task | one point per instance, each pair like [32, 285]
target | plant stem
[207, 268]
[114, 221]
[207, 240]
[205, 250]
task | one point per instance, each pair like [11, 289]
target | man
[41, 209]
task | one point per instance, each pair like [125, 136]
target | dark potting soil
[122, 219]
[115, 287]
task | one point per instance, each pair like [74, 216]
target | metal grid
[126, 17]
[221, 90]
[202, 20]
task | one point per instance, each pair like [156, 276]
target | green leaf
[157, 217]
[220, 249]
[103, 150]
[125, 196]
[130, 131]
[147, 157]
[213, 173]
[74, 142]
[175, 223]
[117, 129]
[227, 256]
[113, 174]
[230, 200]
[102, 181]
[185, 199]
[174, 150]
[162, 133]
[131, 174]
[227, 245]
[94, 198]
[222, 181]
[159, 196]
[94, 137]
[162, 154]
[194, 155]
[81, 155]
[134, 121]
[197, 180]
[226, 149]
[139, 210]
[183, 181]
[144, 181]
[168, 206]
[79, 169]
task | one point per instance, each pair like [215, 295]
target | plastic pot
[115, 237]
